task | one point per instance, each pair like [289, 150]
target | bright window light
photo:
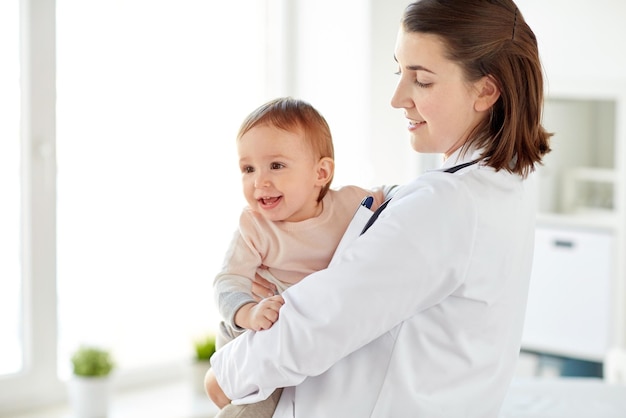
[150, 97]
[11, 359]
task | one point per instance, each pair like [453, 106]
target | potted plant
[204, 348]
[89, 386]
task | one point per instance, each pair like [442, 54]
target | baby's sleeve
[232, 286]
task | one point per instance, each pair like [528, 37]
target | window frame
[37, 383]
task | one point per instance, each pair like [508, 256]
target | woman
[422, 315]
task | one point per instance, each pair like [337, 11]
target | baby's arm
[261, 315]
[241, 308]
[231, 286]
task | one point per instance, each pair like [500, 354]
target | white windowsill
[175, 400]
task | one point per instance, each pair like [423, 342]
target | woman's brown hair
[491, 38]
[290, 115]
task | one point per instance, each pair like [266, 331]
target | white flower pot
[198, 370]
[89, 396]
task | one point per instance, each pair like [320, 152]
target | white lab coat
[420, 317]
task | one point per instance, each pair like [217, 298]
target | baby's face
[279, 173]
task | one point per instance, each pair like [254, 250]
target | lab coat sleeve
[414, 256]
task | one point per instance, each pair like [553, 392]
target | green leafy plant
[92, 362]
[205, 347]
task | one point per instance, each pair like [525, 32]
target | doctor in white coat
[422, 315]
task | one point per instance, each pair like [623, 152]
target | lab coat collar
[461, 156]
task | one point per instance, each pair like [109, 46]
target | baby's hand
[261, 315]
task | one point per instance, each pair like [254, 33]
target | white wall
[393, 159]
[342, 61]
[344, 65]
[579, 40]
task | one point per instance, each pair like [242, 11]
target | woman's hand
[214, 390]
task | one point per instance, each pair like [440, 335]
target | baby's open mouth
[269, 201]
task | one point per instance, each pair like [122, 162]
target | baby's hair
[295, 115]
[491, 38]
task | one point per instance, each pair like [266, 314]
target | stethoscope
[367, 202]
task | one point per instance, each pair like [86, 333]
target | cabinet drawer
[569, 301]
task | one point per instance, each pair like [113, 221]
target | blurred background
[120, 187]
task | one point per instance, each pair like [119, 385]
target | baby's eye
[247, 169]
[276, 166]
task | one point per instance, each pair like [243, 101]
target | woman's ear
[488, 93]
[325, 170]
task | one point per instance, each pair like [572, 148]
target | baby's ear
[488, 93]
[325, 170]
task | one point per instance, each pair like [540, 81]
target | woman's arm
[405, 263]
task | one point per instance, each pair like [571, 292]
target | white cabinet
[577, 295]
[569, 300]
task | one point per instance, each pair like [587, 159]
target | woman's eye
[422, 85]
[276, 166]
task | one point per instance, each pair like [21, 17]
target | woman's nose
[401, 98]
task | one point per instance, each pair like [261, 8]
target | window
[150, 96]
[127, 179]
[10, 270]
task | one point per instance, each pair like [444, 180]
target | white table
[564, 398]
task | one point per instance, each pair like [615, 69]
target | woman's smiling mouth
[414, 124]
